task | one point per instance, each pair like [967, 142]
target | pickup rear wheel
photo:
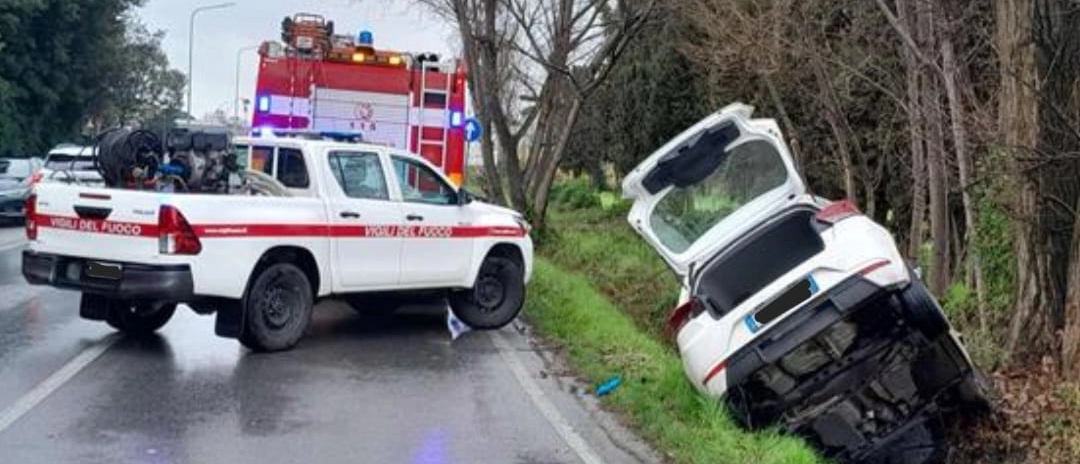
[495, 299]
[277, 308]
[138, 318]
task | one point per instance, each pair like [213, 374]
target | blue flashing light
[365, 38]
[456, 119]
[264, 104]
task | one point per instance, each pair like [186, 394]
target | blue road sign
[472, 130]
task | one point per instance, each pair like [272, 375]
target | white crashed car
[797, 312]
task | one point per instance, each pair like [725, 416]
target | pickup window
[359, 174]
[286, 165]
[291, 169]
[419, 184]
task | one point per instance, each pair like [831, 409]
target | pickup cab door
[710, 184]
[434, 251]
[364, 222]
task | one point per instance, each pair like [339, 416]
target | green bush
[575, 193]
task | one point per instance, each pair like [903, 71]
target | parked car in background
[71, 163]
[15, 177]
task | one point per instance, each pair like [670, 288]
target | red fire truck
[317, 80]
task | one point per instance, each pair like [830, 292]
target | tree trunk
[1018, 126]
[549, 166]
[963, 161]
[789, 127]
[913, 71]
[466, 29]
[1070, 340]
[833, 116]
[939, 194]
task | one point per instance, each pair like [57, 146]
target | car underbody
[865, 383]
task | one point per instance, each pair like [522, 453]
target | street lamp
[191, 43]
[236, 98]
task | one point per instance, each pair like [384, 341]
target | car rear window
[69, 162]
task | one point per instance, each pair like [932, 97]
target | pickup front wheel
[277, 308]
[495, 299]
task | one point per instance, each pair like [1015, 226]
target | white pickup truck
[361, 222]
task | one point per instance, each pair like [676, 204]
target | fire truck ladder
[438, 95]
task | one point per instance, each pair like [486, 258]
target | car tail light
[175, 234]
[36, 177]
[30, 210]
[682, 314]
[837, 211]
[873, 266]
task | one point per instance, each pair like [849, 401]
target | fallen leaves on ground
[1037, 421]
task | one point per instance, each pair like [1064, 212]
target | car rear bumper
[135, 282]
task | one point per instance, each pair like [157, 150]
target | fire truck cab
[317, 79]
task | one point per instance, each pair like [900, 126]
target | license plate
[104, 271]
[791, 298]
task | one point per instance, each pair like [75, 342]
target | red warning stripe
[132, 229]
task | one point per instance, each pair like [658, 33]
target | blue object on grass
[608, 386]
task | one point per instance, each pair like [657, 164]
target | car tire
[975, 393]
[277, 308]
[495, 299]
[138, 318]
[922, 310]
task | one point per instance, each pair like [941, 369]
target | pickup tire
[138, 318]
[495, 299]
[277, 308]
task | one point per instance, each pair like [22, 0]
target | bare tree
[552, 53]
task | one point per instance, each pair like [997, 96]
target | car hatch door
[710, 183]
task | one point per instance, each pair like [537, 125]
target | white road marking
[38, 394]
[561, 425]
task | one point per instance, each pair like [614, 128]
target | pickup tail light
[837, 211]
[175, 234]
[30, 210]
[682, 314]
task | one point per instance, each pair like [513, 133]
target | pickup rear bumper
[133, 281]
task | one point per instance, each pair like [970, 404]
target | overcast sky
[219, 34]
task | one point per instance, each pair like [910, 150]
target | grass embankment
[601, 294]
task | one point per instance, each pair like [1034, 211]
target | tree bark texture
[1029, 328]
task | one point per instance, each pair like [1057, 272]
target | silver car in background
[15, 179]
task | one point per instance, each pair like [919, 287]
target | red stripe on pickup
[209, 231]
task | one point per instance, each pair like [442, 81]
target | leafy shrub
[575, 193]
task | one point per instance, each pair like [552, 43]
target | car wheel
[496, 297]
[975, 392]
[277, 308]
[923, 310]
[138, 318]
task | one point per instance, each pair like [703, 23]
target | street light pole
[191, 44]
[236, 97]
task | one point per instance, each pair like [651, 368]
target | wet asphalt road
[355, 390]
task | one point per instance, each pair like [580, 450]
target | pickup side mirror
[464, 197]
